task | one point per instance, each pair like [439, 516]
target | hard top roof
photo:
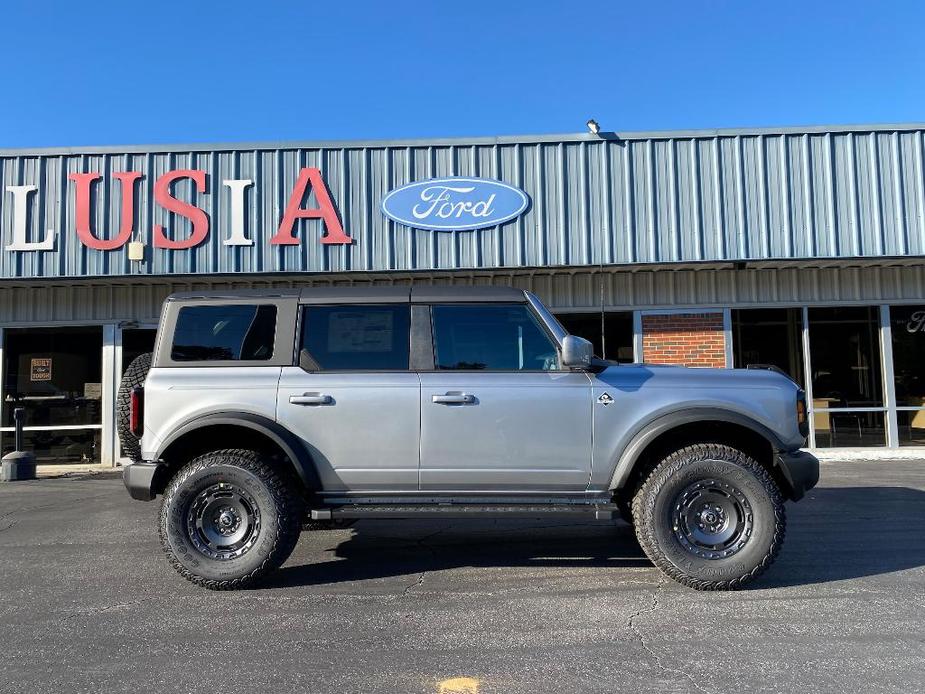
[364, 294]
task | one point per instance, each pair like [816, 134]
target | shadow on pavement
[379, 549]
[839, 533]
[833, 534]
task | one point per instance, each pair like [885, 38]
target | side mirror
[576, 352]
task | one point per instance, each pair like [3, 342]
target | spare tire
[134, 377]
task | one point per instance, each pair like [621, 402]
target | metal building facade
[631, 223]
[646, 198]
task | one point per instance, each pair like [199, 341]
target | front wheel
[228, 518]
[710, 517]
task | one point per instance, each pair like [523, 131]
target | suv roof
[365, 294]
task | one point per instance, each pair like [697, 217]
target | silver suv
[261, 412]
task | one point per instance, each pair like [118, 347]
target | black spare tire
[134, 377]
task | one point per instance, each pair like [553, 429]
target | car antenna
[603, 338]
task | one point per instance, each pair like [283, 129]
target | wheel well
[737, 436]
[221, 436]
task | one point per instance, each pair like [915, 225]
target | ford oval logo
[454, 204]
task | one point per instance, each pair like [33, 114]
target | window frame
[544, 328]
[283, 339]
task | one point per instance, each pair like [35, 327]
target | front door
[353, 399]
[497, 413]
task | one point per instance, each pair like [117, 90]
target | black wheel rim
[712, 519]
[223, 521]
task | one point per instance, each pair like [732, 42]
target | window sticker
[360, 331]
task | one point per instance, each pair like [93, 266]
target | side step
[456, 511]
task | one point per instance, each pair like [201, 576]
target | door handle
[311, 399]
[453, 399]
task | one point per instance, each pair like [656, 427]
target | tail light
[137, 411]
[802, 416]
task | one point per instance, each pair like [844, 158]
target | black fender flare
[288, 442]
[661, 423]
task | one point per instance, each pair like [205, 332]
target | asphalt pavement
[88, 604]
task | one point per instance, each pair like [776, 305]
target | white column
[889, 382]
[112, 346]
[637, 336]
[808, 379]
[727, 336]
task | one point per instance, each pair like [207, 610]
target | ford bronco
[260, 412]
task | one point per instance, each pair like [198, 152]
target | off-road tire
[134, 377]
[280, 508]
[662, 495]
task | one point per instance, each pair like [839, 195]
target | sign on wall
[40, 370]
[454, 204]
[310, 181]
[440, 204]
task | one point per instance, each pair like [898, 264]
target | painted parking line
[458, 685]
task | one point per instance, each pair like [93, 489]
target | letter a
[334, 232]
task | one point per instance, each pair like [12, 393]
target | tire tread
[289, 504]
[643, 506]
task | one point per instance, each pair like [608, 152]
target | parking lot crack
[633, 624]
[94, 611]
[422, 542]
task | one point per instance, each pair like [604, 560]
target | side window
[356, 338]
[235, 332]
[491, 337]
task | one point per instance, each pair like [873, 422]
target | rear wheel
[710, 517]
[229, 518]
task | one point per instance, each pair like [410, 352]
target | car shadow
[834, 534]
[840, 533]
[381, 549]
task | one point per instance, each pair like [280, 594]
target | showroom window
[614, 341]
[907, 325]
[847, 385]
[55, 374]
[769, 336]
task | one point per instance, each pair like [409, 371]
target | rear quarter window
[232, 332]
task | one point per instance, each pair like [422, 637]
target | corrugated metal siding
[657, 198]
[578, 289]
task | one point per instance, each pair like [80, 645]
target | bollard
[20, 464]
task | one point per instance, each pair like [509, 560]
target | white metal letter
[237, 237]
[19, 241]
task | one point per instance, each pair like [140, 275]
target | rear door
[353, 399]
[497, 412]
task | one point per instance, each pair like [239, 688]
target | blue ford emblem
[454, 204]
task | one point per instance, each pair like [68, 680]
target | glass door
[848, 407]
[55, 375]
[907, 329]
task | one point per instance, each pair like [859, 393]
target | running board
[457, 511]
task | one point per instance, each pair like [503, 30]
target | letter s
[198, 217]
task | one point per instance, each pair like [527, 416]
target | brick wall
[689, 339]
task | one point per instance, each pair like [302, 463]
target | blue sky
[158, 72]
